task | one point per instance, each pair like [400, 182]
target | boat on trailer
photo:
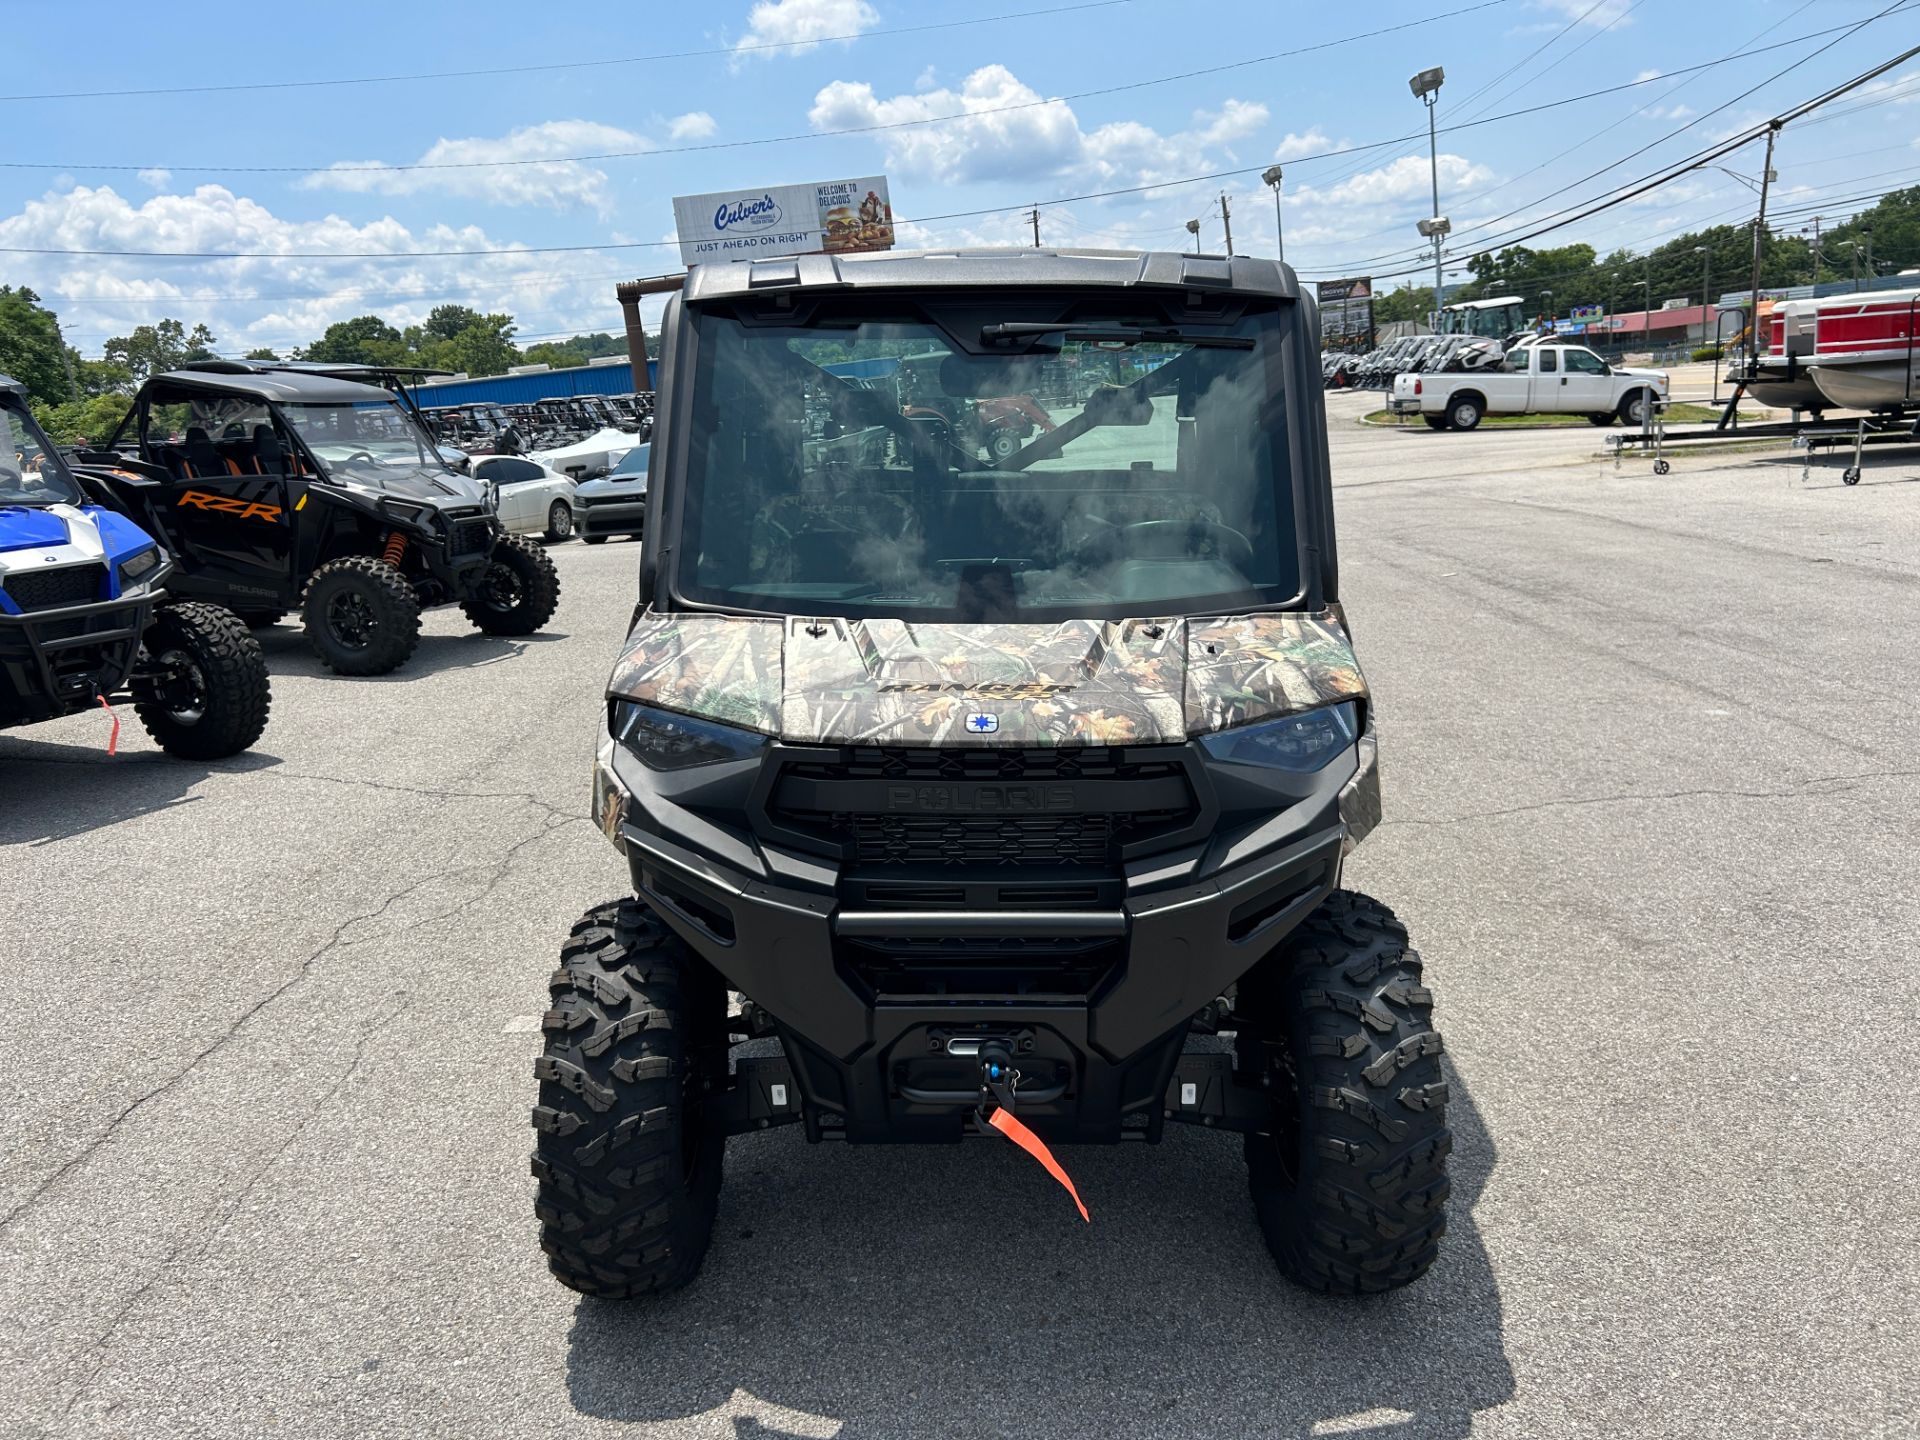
[1782, 378]
[1866, 350]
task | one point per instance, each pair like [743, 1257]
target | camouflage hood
[1079, 682]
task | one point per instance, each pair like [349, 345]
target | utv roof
[264, 382]
[991, 269]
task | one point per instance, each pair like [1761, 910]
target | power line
[924, 220]
[758, 47]
[121, 166]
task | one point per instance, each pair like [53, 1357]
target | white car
[533, 499]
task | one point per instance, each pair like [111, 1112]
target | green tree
[446, 321]
[483, 348]
[93, 419]
[262, 354]
[364, 340]
[31, 349]
[152, 349]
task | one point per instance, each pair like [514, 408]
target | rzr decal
[230, 505]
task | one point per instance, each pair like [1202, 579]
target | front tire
[1633, 409]
[559, 521]
[361, 616]
[205, 693]
[1607, 418]
[1464, 413]
[1349, 1181]
[628, 1165]
[1003, 445]
[519, 592]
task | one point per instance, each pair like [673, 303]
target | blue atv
[85, 617]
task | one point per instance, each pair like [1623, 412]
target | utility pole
[1226, 219]
[1816, 249]
[1867, 235]
[1759, 237]
[1034, 215]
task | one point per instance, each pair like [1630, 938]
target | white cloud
[1011, 132]
[1292, 146]
[926, 79]
[1408, 178]
[803, 24]
[1600, 16]
[283, 300]
[1649, 75]
[157, 177]
[1671, 112]
[694, 125]
[555, 184]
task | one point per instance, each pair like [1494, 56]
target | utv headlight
[1300, 743]
[663, 740]
[402, 511]
[135, 566]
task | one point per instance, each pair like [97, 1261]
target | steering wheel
[366, 455]
[1182, 539]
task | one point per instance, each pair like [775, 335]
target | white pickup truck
[1536, 379]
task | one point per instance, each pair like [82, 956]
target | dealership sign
[835, 216]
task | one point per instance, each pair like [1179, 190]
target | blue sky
[287, 169]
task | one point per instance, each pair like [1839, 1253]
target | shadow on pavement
[289, 654]
[952, 1291]
[53, 792]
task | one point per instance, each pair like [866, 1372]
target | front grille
[982, 840]
[50, 589]
[972, 809]
[471, 537]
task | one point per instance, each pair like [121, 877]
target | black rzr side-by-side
[278, 489]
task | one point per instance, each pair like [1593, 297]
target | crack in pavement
[500, 869]
[1800, 791]
[100, 1344]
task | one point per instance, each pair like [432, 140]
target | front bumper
[619, 516]
[878, 1059]
[61, 660]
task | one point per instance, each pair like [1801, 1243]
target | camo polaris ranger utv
[85, 620]
[987, 780]
[277, 488]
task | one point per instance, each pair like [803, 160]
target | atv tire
[361, 616]
[519, 592]
[212, 701]
[629, 1169]
[1349, 1181]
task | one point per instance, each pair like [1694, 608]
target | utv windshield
[360, 440]
[31, 473]
[1019, 473]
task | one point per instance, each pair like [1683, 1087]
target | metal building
[612, 377]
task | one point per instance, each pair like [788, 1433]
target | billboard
[1346, 314]
[835, 216]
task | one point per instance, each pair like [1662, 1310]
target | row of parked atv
[232, 494]
[493, 428]
[1412, 355]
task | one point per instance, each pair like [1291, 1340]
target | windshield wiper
[1117, 334]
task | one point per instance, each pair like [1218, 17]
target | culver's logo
[756, 214]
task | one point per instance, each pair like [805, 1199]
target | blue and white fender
[38, 539]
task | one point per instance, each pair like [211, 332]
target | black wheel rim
[501, 590]
[182, 687]
[350, 620]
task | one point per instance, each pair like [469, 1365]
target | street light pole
[1193, 229]
[1426, 86]
[1272, 176]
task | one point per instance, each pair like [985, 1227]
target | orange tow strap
[1014, 1130]
[113, 740]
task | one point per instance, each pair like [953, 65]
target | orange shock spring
[396, 547]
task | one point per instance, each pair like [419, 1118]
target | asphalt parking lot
[1650, 758]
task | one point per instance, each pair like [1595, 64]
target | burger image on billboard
[851, 220]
